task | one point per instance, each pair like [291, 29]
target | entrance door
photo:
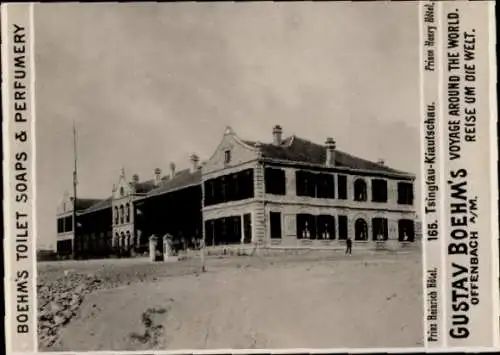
[275, 221]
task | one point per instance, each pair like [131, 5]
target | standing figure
[348, 249]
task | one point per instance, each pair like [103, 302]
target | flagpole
[74, 190]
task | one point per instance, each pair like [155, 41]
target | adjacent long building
[288, 192]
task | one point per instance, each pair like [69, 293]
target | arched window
[360, 190]
[117, 215]
[127, 212]
[121, 214]
[360, 229]
[130, 241]
[122, 241]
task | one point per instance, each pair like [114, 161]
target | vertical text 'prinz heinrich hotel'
[289, 192]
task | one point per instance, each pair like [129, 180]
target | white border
[33, 167]
[442, 177]
[281, 351]
[494, 172]
[493, 202]
[423, 227]
[6, 179]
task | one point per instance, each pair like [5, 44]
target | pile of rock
[59, 301]
[62, 291]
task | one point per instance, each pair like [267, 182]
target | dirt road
[243, 302]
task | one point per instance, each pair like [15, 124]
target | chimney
[157, 176]
[330, 151]
[135, 179]
[194, 162]
[172, 170]
[277, 135]
[381, 162]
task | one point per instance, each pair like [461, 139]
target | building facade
[289, 192]
[66, 243]
[293, 192]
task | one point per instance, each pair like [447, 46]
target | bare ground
[316, 300]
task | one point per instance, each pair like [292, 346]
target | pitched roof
[84, 203]
[183, 178]
[295, 149]
[102, 204]
[145, 186]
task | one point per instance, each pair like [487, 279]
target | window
[210, 232]
[117, 240]
[325, 186]
[122, 241]
[306, 226]
[312, 227]
[68, 224]
[209, 189]
[223, 188]
[311, 184]
[406, 229]
[342, 187]
[129, 240]
[231, 187]
[246, 181]
[326, 227]
[405, 193]
[275, 181]
[360, 229]
[360, 190]
[60, 225]
[343, 230]
[304, 183]
[122, 191]
[227, 156]
[275, 224]
[380, 230]
[121, 214]
[247, 228]
[226, 230]
[379, 190]
[127, 212]
[234, 229]
[117, 215]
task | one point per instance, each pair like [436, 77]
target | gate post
[167, 248]
[153, 240]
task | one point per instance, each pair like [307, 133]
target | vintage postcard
[223, 177]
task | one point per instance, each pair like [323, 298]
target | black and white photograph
[228, 176]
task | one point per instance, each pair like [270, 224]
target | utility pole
[75, 182]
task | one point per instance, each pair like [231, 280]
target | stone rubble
[59, 301]
[60, 292]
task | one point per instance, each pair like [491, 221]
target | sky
[149, 84]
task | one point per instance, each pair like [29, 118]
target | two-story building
[126, 236]
[121, 224]
[173, 207]
[66, 243]
[289, 192]
[94, 231]
[293, 192]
